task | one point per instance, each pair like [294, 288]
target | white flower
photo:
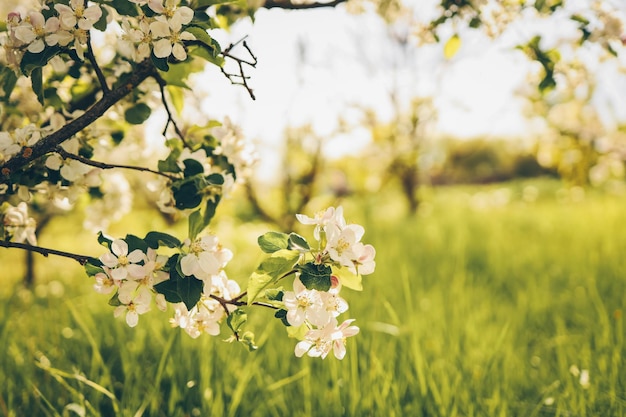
[104, 283]
[170, 38]
[205, 258]
[321, 220]
[303, 304]
[135, 300]
[122, 263]
[319, 342]
[154, 266]
[17, 223]
[35, 31]
[363, 261]
[341, 243]
[76, 14]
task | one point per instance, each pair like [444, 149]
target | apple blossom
[303, 304]
[122, 263]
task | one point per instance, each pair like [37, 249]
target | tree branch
[50, 142]
[289, 5]
[96, 67]
[104, 165]
[241, 78]
[81, 259]
[170, 119]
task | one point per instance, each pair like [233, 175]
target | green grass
[477, 308]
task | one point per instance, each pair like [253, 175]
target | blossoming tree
[64, 147]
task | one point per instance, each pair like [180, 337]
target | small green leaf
[115, 301]
[297, 332]
[271, 242]
[93, 266]
[8, 79]
[137, 114]
[156, 239]
[190, 291]
[270, 271]
[209, 211]
[196, 224]
[282, 315]
[160, 63]
[315, 276]
[236, 319]
[104, 241]
[192, 167]
[36, 77]
[135, 242]
[274, 294]
[297, 242]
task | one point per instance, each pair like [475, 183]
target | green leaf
[271, 242]
[208, 56]
[169, 289]
[135, 242]
[282, 315]
[36, 77]
[270, 271]
[186, 195]
[8, 79]
[201, 35]
[115, 300]
[348, 279]
[196, 224]
[452, 46]
[160, 63]
[125, 7]
[30, 61]
[137, 114]
[104, 241]
[236, 319]
[93, 266]
[274, 294]
[101, 24]
[156, 239]
[192, 167]
[190, 291]
[297, 242]
[315, 276]
[209, 211]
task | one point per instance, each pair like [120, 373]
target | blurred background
[488, 170]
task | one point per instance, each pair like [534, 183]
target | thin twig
[104, 165]
[170, 118]
[96, 67]
[81, 259]
[241, 78]
[269, 4]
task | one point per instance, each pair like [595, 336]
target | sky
[316, 66]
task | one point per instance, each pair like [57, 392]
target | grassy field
[493, 301]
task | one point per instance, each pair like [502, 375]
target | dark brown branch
[50, 142]
[241, 78]
[270, 4]
[103, 165]
[96, 67]
[81, 259]
[170, 118]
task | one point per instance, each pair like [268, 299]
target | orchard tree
[76, 77]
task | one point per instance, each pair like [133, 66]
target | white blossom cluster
[163, 34]
[133, 274]
[318, 310]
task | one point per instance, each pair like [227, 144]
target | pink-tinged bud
[14, 18]
[334, 281]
